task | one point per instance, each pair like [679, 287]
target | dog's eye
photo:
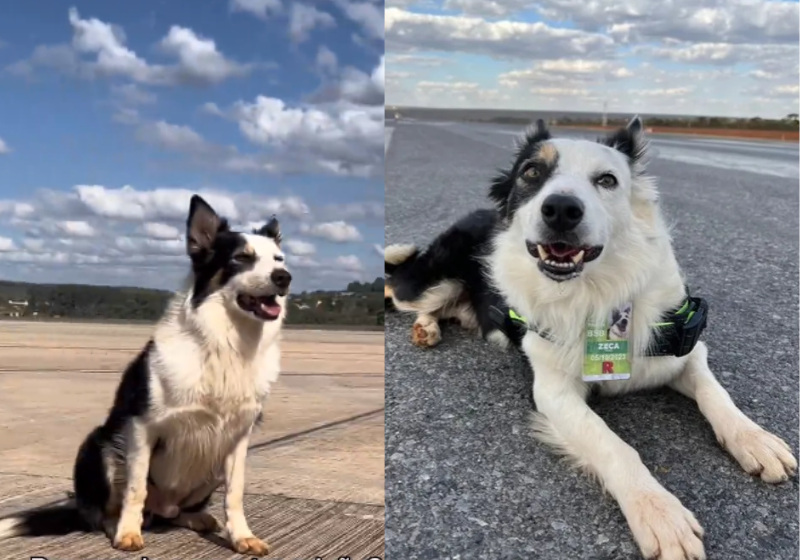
[606, 181]
[244, 258]
[279, 258]
[531, 173]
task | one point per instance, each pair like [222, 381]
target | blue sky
[693, 57]
[113, 114]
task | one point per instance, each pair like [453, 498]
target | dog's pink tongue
[561, 250]
[270, 309]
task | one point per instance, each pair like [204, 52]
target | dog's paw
[201, 521]
[129, 542]
[662, 527]
[425, 333]
[761, 453]
[251, 546]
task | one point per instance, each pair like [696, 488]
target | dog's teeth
[578, 258]
[542, 253]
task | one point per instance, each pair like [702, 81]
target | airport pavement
[315, 469]
[464, 478]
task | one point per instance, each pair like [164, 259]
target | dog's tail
[49, 521]
[398, 255]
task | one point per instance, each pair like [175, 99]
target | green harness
[676, 335]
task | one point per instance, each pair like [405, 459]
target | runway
[464, 477]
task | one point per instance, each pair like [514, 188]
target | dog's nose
[562, 212]
[281, 278]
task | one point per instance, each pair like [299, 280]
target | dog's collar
[676, 335]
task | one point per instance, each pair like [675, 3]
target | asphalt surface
[465, 479]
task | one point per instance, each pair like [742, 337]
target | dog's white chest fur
[205, 398]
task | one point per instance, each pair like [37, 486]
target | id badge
[606, 354]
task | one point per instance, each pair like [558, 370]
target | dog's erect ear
[271, 229]
[631, 142]
[503, 183]
[202, 227]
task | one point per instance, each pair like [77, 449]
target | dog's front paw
[426, 333]
[129, 542]
[662, 527]
[760, 453]
[252, 546]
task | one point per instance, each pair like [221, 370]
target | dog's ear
[202, 228]
[503, 182]
[271, 229]
[631, 141]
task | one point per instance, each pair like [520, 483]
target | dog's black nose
[281, 278]
[562, 212]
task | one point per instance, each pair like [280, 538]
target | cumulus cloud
[368, 15]
[7, 244]
[300, 248]
[350, 262]
[410, 31]
[304, 18]
[98, 50]
[338, 232]
[158, 230]
[4, 149]
[132, 236]
[342, 137]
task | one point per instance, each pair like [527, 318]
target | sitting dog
[186, 405]
[577, 233]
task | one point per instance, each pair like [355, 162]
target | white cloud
[262, 9]
[339, 232]
[326, 59]
[198, 61]
[343, 139]
[136, 237]
[369, 16]
[300, 248]
[410, 31]
[77, 228]
[158, 230]
[4, 149]
[304, 18]
[379, 249]
[350, 263]
[7, 244]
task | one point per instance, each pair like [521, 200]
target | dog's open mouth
[559, 261]
[265, 308]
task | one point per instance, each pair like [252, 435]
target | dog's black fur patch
[502, 189]
[454, 255]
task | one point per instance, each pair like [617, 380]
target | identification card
[606, 354]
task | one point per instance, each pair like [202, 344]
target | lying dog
[577, 233]
[186, 405]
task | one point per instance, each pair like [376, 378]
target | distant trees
[362, 307]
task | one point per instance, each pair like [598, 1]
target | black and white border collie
[186, 405]
[577, 232]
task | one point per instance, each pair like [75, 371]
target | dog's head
[570, 198]
[621, 317]
[246, 271]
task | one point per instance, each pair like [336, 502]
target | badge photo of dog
[620, 319]
[185, 407]
[577, 232]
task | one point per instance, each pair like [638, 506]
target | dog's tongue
[269, 308]
[561, 250]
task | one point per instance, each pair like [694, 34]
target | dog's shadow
[160, 526]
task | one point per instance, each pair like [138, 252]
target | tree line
[360, 305]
